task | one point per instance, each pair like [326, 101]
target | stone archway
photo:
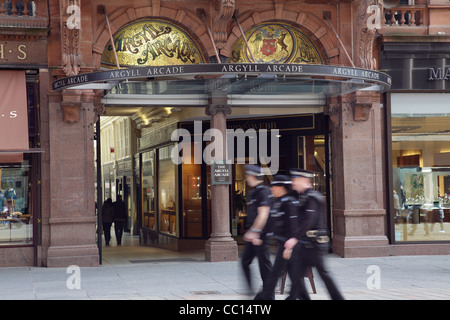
[125, 15]
[317, 28]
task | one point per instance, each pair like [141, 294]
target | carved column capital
[333, 110]
[361, 111]
[71, 106]
[215, 109]
[99, 107]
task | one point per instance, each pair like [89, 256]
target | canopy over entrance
[245, 84]
[159, 63]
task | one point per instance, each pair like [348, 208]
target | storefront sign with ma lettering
[438, 74]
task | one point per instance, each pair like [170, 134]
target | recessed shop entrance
[169, 205]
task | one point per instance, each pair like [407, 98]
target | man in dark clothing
[120, 216]
[257, 213]
[311, 236]
[107, 219]
[282, 226]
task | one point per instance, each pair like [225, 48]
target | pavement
[133, 272]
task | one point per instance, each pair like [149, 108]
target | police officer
[312, 239]
[282, 225]
[258, 207]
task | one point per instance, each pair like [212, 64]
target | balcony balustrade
[23, 13]
[409, 16]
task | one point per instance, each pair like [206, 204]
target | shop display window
[167, 187]
[421, 175]
[16, 227]
[240, 198]
[192, 196]
[148, 191]
[192, 201]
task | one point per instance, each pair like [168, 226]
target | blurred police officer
[312, 239]
[258, 206]
[282, 225]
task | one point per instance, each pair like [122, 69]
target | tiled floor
[131, 252]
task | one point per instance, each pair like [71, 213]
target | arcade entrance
[169, 205]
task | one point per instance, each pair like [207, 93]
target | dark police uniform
[282, 225]
[312, 243]
[258, 197]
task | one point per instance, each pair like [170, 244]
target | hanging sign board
[220, 173]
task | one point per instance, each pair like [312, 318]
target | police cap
[281, 180]
[254, 170]
[302, 173]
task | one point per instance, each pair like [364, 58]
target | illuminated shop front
[420, 144]
[300, 142]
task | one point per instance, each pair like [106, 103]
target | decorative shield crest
[269, 47]
[275, 42]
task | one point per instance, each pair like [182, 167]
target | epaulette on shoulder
[316, 195]
[293, 200]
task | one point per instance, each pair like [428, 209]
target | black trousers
[313, 257]
[107, 231]
[118, 228]
[262, 253]
[279, 267]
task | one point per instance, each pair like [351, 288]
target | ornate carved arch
[317, 28]
[125, 15]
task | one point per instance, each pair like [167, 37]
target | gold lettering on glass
[152, 43]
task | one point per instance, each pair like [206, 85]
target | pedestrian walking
[282, 225]
[312, 239]
[120, 216]
[107, 219]
[257, 214]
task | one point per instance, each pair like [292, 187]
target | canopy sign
[326, 72]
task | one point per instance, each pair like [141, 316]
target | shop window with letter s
[16, 226]
[421, 166]
[19, 130]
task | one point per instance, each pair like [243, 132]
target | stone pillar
[221, 246]
[359, 215]
[69, 194]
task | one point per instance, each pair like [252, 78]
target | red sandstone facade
[360, 208]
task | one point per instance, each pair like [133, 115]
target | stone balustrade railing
[23, 13]
[410, 16]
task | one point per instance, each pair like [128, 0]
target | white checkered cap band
[254, 170]
[254, 173]
[280, 182]
[303, 174]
